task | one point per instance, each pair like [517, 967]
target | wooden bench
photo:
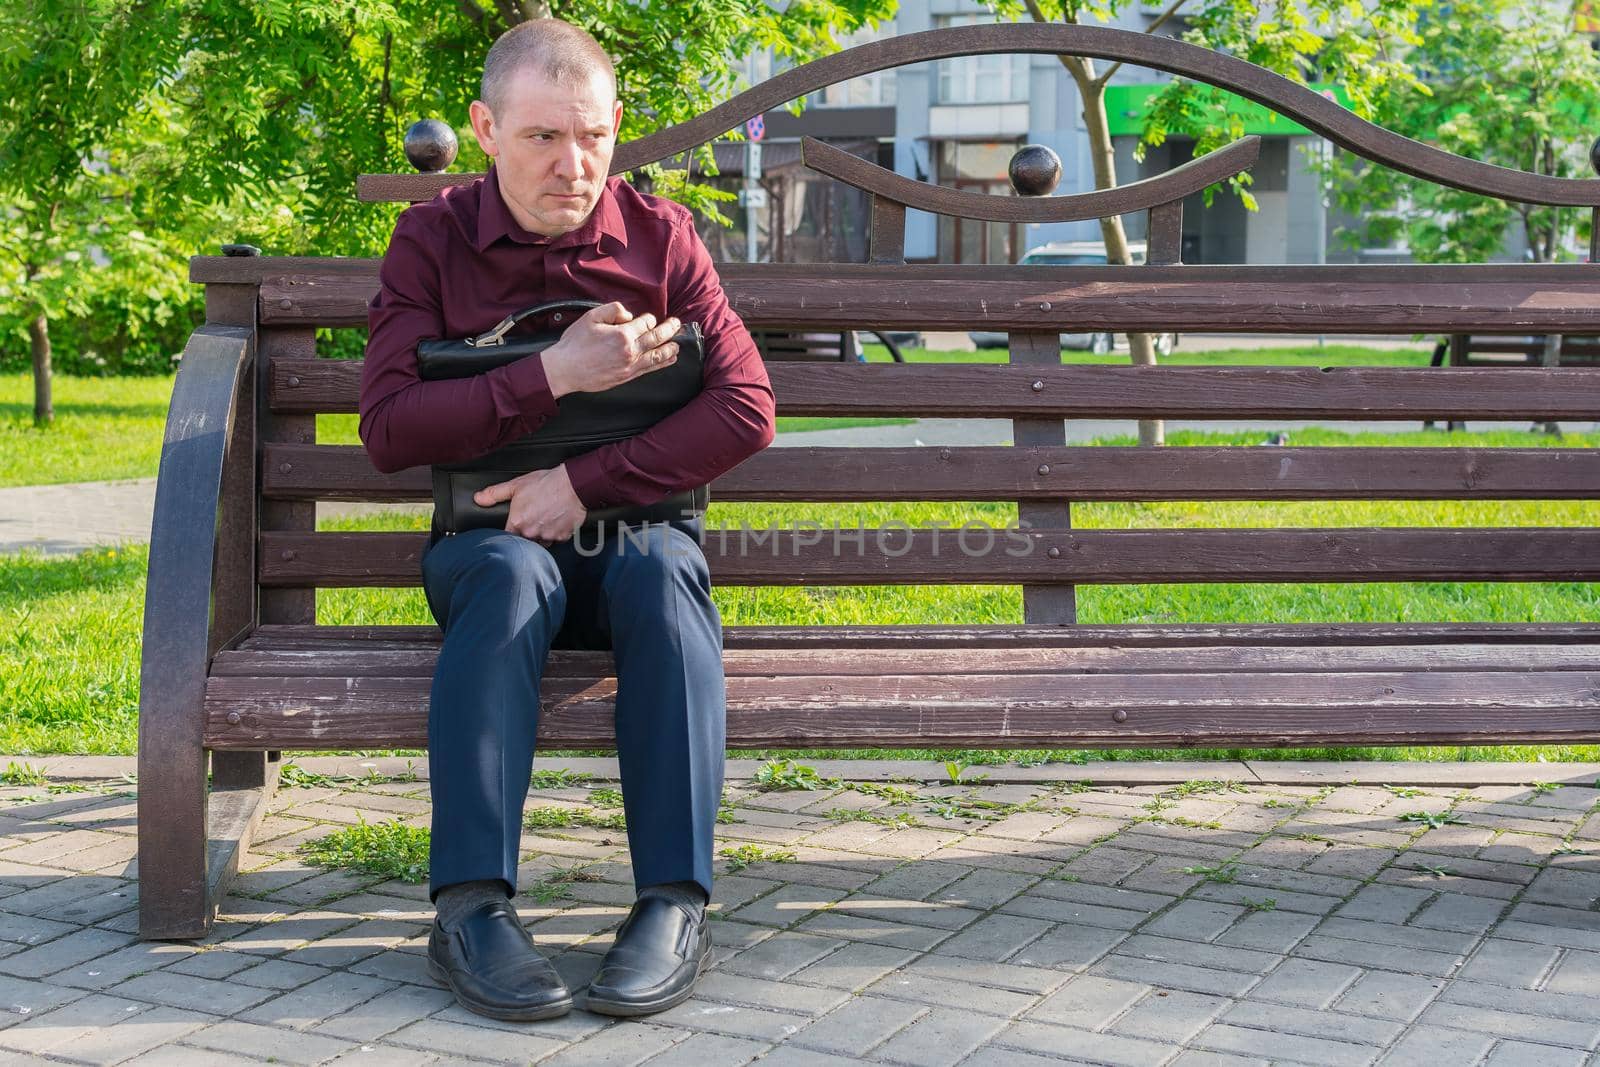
[236, 668]
[1492, 350]
[1495, 350]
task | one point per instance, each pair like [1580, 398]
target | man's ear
[616, 121]
[483, 127]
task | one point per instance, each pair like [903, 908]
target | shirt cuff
[589, 480]
[520, 390]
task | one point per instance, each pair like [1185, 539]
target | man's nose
[569, 161]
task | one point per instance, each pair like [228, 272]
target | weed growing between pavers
[557, 778]
[899, 820]
[744, 855]
[892, 793]
[1434, 819]
[558, 884]
[391, 849]
[1201, 787]
[551, 818]
[1222, 872]
[605, 797]
[22, 774]
[787, 774]
[295, 776]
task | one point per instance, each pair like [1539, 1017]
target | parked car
[1073, 254]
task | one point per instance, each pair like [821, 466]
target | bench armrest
[207, 453]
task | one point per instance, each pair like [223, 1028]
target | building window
[992, 79]
[869, 90]
[976, 167]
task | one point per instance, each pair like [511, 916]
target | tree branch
[1152, 28]
[1081, 69]
[508, 12]
[472, 11]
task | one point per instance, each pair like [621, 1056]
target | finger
[636, 329]
[664, 332]
[492, 494]
[655, 359]
[611, 313]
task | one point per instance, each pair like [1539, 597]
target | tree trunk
[39, 335]
[1102, 154]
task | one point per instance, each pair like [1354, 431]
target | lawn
[1330, 355]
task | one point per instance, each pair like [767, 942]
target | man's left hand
[544, 507]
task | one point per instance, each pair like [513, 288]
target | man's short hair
[556, 49]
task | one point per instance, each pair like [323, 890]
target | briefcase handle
[497, 335]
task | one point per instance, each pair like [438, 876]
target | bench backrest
[272, 560]
[1568, 349]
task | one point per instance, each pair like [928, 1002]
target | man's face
[552, 147]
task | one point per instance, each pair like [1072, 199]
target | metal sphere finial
[1035, 169]
[1594, 155]
[431, 145]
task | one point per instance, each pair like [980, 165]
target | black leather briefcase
[584, 421]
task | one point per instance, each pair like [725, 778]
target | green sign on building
[1126, 106]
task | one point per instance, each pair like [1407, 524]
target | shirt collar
[496, 221]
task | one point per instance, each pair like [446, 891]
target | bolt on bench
[236, 669]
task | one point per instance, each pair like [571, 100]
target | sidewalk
[1126, 913]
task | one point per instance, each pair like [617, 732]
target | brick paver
[1031, 920]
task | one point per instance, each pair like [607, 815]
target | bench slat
[934, 557]
[980, 390]
[1291, 298]
[1001, 472]
[1005, 635]
[417, 662]
[990, 710]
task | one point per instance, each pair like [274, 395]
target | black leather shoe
[660, 950]
[490, 963]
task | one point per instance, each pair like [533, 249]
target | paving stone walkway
[1176, 914]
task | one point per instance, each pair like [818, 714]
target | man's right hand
[607, 346]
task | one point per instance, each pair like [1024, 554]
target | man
[546, 223]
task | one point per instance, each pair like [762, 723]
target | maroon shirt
[460, 263]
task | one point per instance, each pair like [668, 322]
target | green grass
[1331, 355]
[104, 429]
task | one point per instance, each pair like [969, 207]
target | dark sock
[455, 901]
[690, 893]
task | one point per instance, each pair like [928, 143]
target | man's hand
[607, 346]
[543, 506]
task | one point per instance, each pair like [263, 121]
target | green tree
[138, 133]
[1362, 44]
[1507, 82]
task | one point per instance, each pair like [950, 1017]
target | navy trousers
[503, 601]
